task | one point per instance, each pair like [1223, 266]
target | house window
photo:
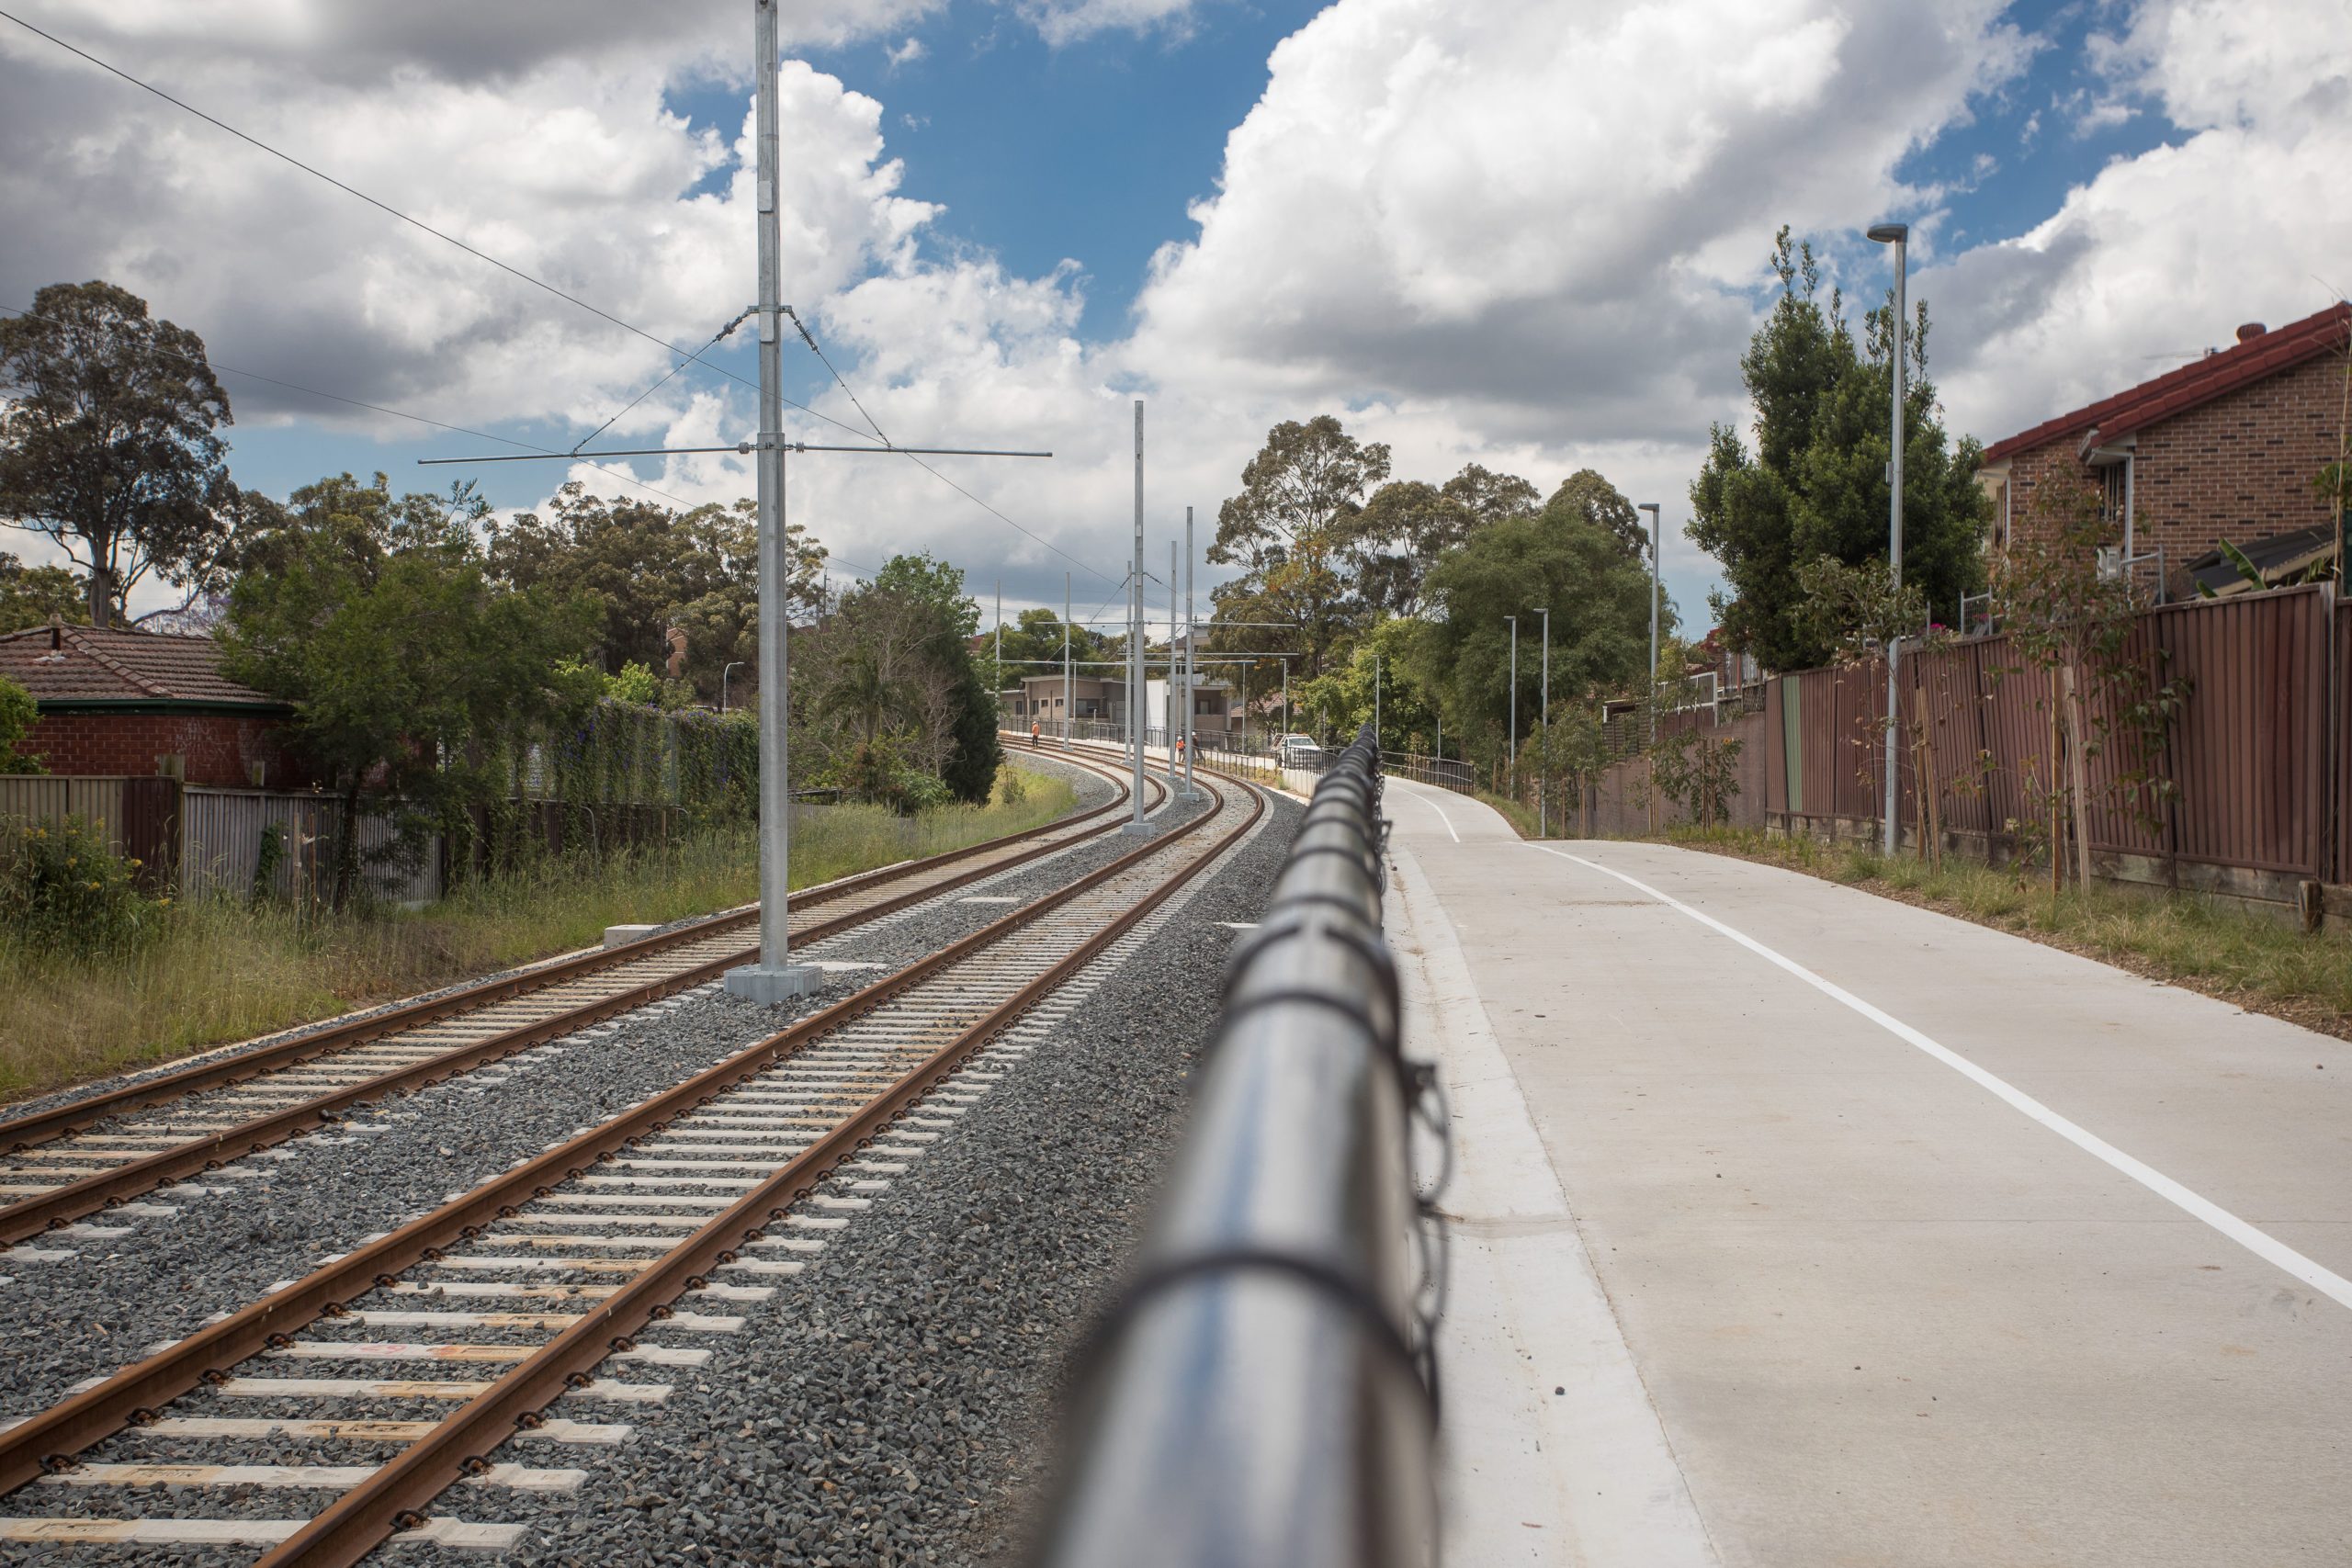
[2110, 494]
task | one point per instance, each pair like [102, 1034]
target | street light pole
[1544, 730]
[1136, 824]
[1070, 703]
[1651, 507]
[1376, 700]
[724, 671]
[1511, 779]
[773, 978]
[1897, 236]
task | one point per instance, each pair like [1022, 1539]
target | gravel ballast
[895, 1404]
[138, 1277]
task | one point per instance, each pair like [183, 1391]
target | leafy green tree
[927, 579]
[1599, 600]
[652, 568]
[1600, 503]
[29, 595]
[1291, 532]
[107, 442]
[1817, 484]
[378, 620]
[17, 712]
[892, 673]
[1340, 702]
[1407, 525]
[1037, 634]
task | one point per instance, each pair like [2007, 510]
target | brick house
[2226, 448]
[134, 703]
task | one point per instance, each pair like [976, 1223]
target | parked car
[1300, 751]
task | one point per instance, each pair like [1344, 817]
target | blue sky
[2098, 186]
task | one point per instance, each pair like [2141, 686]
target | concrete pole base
[770, 984]
[1139, 829]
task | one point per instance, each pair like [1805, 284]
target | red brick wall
[2239, 468]
[221, 749]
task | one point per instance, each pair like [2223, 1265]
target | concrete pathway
[1803, 1228]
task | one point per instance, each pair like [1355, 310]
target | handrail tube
[1256, 1397]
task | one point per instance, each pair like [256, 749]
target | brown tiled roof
[83, 664]
[2176, 391]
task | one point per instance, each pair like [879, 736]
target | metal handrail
[1261, 1394]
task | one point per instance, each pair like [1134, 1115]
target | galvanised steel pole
[1376, 698]
[1070, 703]
[1174, 728]
[1655, 542]
[1191, 656]
[773, 978]
[1898, 235]
[1543, 731]
[1135, 639]
[1510, 780]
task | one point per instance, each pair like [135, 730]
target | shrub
[62, 886]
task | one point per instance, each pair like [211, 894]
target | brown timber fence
[2260, 749]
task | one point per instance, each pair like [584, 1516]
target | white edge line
[1433, 806]
[2261, 1244]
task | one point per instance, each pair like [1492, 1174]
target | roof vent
[2251, 330]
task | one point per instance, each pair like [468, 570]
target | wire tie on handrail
[1321, 1277]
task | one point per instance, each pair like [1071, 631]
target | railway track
[99, 1153]
[534, 1288]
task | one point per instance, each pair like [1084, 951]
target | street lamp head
[1648, 506]
[1888, 233]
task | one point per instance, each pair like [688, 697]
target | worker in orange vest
[1033, 734]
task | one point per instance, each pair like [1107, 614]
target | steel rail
[21, 1133]
[348, 1529]
[50, 1440]
[31, 1216]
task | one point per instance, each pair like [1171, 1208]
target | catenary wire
[715, 340]
[810, 338]
[540, 283]
[692, 356]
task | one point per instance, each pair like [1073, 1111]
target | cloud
[905, 54]
[1531, 236]
[2164, 253]
[1060, 22]
[1496, 208]
[575, 172]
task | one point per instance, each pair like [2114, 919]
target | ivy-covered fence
[625, 774]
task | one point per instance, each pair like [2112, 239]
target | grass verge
[2205, 944]
[222, 970]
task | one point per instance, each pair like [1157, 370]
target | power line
[540, 283]
[808, 338]
[695, 357]
[715, 340]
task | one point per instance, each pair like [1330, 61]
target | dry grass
[222, 970]
[2209, 945]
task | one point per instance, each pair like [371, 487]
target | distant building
[2226, 448]
[130, 704]
[1103, 699]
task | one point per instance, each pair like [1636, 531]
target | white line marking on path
[1433, 806]
[2263, 1246]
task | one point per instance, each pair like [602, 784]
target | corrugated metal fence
[197, 841]
[2261, 750]
[223, 830]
